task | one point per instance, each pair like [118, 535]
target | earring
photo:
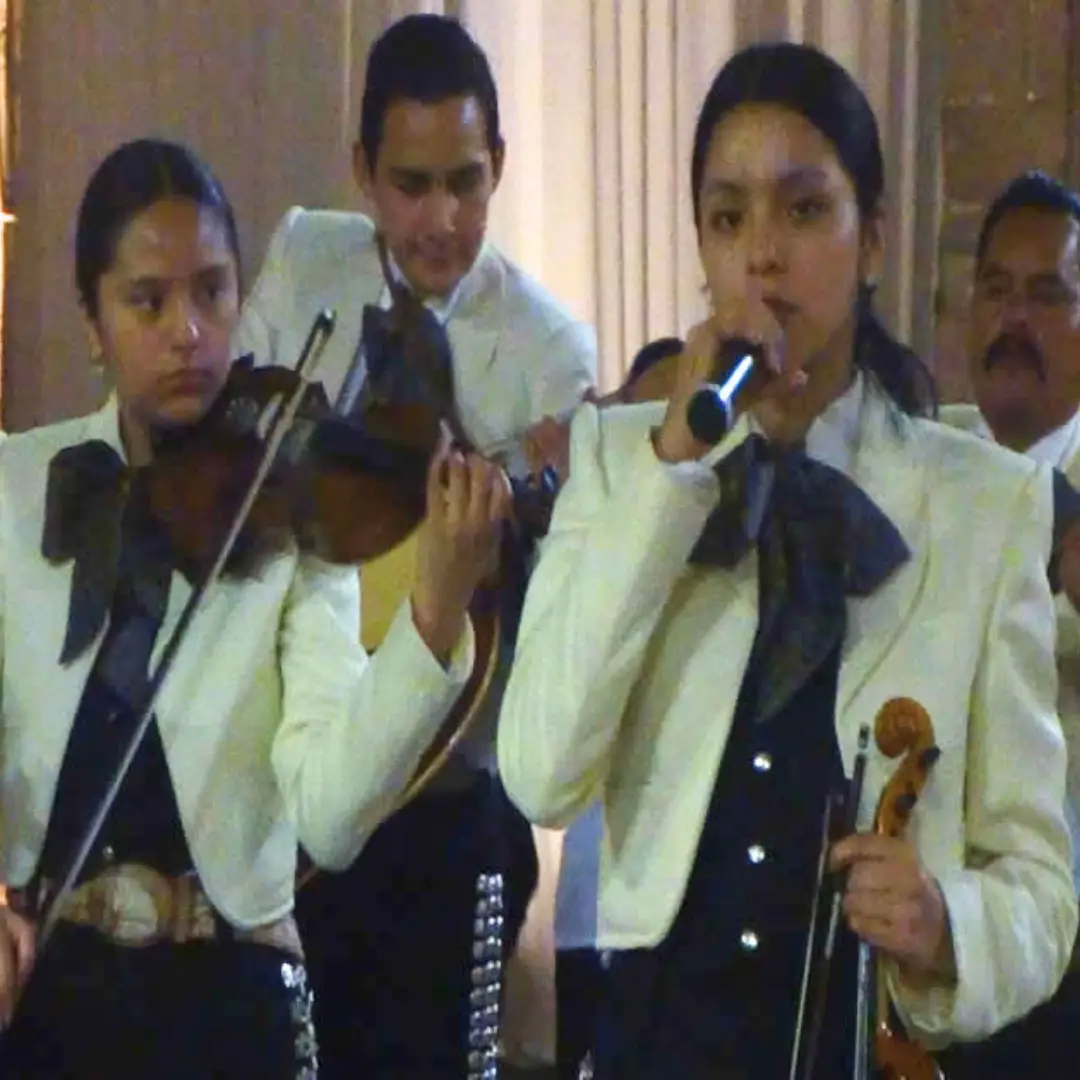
[100, 368]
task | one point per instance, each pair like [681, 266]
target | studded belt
[134, 905]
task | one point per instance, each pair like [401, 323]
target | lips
[782, 310]
[435, 254]
[190, 381]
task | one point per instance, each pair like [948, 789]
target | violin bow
[820, 980]
[280, 425]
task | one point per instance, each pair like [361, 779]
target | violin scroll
[903, 726]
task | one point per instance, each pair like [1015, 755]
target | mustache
[1016, 346]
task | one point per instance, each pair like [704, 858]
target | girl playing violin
[710, 627]
[176, 954]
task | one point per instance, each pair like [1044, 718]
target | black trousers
[199, 1011]
[666, 1014]
[579, 984]
[389, 942]
[1041, 1046]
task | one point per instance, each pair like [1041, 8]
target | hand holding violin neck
[467, 499]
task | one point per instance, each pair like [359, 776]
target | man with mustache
[1024, 344]
[390, 941]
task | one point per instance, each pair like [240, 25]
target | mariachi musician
[729, 596]
[272, 725]
[390, 939]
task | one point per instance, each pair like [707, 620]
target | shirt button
[762, 762]
[756, 853]
[748, 940]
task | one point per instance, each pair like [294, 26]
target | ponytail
[897, 369]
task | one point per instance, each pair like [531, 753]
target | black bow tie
[1066, 515]
[95, 516]
[819, 538]
[87, 487]
[409, 363]
[820, 515]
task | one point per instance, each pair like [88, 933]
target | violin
[902, 726]
[343, 489]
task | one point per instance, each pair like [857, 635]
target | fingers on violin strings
[450, 498]
[437, 468]
[499, 496]
[479, 479]
[534, 454]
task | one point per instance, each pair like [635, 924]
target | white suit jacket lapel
[473, 327]
[889, 467]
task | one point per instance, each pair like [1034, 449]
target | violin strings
[852, 805]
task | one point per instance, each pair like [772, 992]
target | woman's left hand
[892, 902]
[548, 443]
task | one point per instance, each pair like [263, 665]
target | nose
[1014, 311]
[185, 324]
[763, 252]
[440, 211]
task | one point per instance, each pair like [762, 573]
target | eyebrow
[996, 270]
[399, 172]
[144, 281]
[803, 176]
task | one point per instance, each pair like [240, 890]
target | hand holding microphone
[731, 362]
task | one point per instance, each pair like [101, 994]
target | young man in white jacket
[390, 940]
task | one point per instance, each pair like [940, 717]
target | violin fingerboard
[486, 992]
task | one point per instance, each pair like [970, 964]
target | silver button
[748, 940]
[756, 853]
[762, 762]
[107, 853]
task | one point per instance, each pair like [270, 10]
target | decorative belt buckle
[131, 904]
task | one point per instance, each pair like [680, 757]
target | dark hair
[651, 354]
[805, 81]
[131, 179]
[426, 58]
[1033, 190]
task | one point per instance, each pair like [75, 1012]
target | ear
[872, 248]
[95, 346]
[498, 159]
[361, 173]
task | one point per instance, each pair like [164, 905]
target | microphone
[711, 412]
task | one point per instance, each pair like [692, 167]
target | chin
[437, 278]
[439, 284]
[183, 410]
